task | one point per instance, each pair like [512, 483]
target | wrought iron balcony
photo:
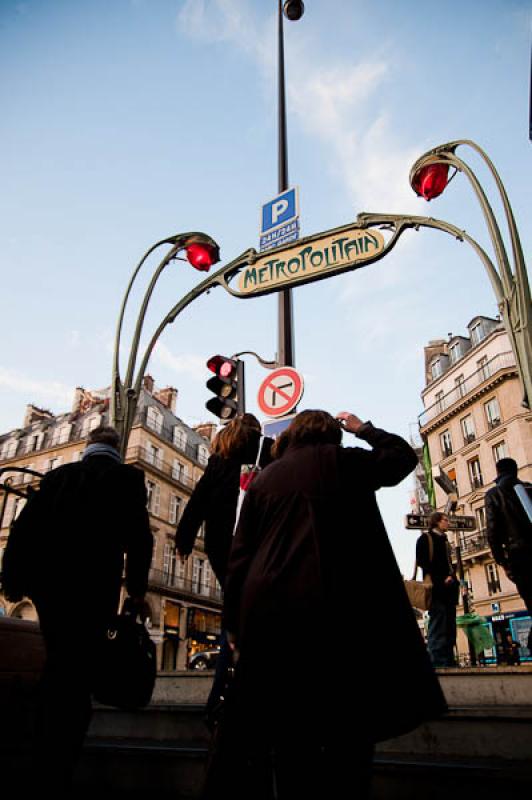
[145, 457]
[489, 371]
[158, 579]
[474, 543]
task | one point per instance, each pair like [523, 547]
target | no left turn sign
[280, 392]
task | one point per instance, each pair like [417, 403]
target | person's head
[439, 521]
[104, 434]
[237, 436]
[309, 427]
[506, 466]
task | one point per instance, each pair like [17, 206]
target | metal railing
[165, 580]
[167, 432]
[474, 543]
[459, 392]
[142, 454]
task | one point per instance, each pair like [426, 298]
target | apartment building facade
[472, 418]
[184, 598]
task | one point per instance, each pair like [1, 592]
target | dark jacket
[439, 567]
[509, 529]
[213, 502]
[68, 544]
[312, 567]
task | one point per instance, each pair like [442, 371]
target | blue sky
[126, 122]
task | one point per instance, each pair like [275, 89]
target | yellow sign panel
[310, 260]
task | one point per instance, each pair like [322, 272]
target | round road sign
[280, 392]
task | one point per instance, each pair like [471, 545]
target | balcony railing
[167, 432]
[489, 370]
[474, 543]
[143, 455]
[165, 580]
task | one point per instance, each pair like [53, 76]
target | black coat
[312, 576]
[66, 549]
[509, 529]
[213, 502]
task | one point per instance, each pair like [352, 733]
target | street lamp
[293, 10]
[201, 252]
[429, 178]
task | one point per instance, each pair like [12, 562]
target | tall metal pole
[285, 346]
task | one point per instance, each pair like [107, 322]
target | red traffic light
[430, 181]
[221, 366]
[202, 255]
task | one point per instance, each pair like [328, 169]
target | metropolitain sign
[313, 258]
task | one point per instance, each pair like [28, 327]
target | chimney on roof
[206, 429]
[148, 383]
[36, 414]
[168, 397]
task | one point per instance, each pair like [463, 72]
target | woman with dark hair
[309, 548]
[215, 496]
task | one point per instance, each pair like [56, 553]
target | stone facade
[184, 599]
[473, 417]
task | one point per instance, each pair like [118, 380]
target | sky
[126, 122]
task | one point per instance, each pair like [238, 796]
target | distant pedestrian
[311, 542]
[512, 651]
[509, 530]
[433, 554]
[66, 552]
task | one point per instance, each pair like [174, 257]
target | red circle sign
[280, 392]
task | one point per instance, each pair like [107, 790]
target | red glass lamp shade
[430, 181]
[201, 256]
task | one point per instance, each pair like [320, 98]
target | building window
[197, 574]
[175, 505]
[477, 332]
[492, 578]
[154, 497]
[483, 369]
[440, 402]
[468, 429]
[154, 419]
[203, 455]
[475, 473]
[446, 444]
[154, 455]
[89, 424]
[169, 559]
[34, 442]
[468, 582]
[499, 451]
[179, 471]
[480, 514]
[455, 352]
[9, 448]
[60, 435]
[436, 369]
[180, 437]
[460, 385]
[53, 463]
[493, 413]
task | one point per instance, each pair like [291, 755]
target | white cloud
[188, 364]
[341, 105]
[36, 391]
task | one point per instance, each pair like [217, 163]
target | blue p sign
[279, 211]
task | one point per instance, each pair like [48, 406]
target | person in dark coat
[66, 552]
[215, 496]
[311, 562]
[509, 530]
[214, 503]
[434, 558]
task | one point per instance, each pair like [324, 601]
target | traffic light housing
[227, 386]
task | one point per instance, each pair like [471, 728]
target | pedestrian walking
[509, 530]
[213, 503]
[66, 553]
[433, 555]
[311, 547]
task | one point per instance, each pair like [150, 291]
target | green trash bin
[475, 630]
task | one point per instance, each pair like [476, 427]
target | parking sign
[280, 220]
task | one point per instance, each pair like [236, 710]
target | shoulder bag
[420, 592]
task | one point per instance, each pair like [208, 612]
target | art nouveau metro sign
[312, 258]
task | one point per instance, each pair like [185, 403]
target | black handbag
[125, 665]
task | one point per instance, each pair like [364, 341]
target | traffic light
[228, 386]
